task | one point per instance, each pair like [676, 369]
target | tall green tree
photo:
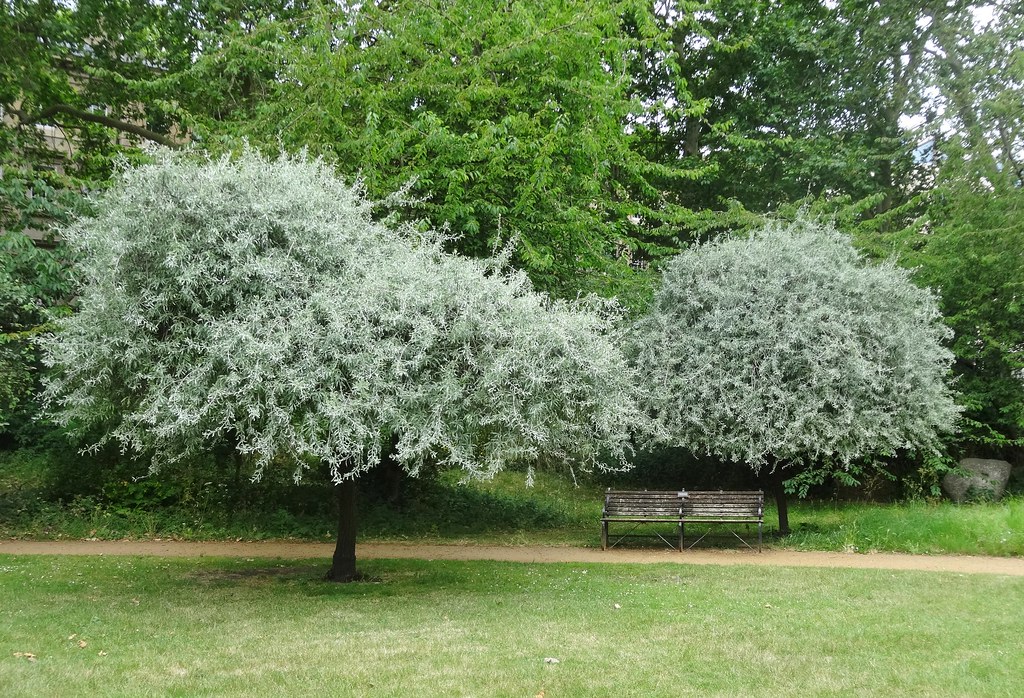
[789, 100]
[972, 246]
[257, 304]
[508, 121]
[86, 79]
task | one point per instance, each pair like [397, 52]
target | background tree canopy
[509, 121]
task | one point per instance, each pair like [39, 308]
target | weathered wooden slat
[625, 519]
[645, 512]
[712, 508]
[723, 519]
[719, 507]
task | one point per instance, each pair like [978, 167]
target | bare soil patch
[964, 564]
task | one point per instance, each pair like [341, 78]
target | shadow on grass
[379, 578]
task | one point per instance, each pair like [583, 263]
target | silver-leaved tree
[258, 303]
[787, 349]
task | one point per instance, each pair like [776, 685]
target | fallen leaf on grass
[102, 653]
[617, 606]
[550, 660]
[72, 636]
[540, 695]
[25, 655]
[82, 644]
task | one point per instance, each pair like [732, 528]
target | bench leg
[604, 535]
[680, 537]
[759, 524]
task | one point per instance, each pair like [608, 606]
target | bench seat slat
[664, 519]
[719, 519]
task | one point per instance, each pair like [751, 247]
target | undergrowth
[47, 495]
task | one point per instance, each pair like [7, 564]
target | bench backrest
[642, 503]
[721, 504]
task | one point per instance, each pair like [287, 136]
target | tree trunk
[238, 460]
[776, 480]
[393, 475]
[343, 567]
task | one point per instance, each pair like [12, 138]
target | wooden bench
[642, 507]
[719, 507]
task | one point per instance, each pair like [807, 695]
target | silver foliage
[258, 301]
[789, 347]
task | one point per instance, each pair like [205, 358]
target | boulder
[987, 480]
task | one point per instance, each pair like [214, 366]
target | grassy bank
[144, 626]
[993, 528]
[555, 511]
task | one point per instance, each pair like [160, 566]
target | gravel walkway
[781, 558]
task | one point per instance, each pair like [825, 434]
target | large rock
[987, 480]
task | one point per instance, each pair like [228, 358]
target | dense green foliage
[508, 122]
[975, 254]
[35, 283]
[973, 243]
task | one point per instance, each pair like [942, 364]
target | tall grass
[992, 528]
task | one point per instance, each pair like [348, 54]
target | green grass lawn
[149, 626]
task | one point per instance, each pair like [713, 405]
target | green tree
[785, 100]
[257, 304]
[786, 350]
[510, 121]
[971, 245]
[85, 80]
[974, 253]
[35, 284]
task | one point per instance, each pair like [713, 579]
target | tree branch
[116, 124]
[1004, 136]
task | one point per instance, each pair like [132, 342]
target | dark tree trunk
[238, 460]
[343, 567]
[775, 482]
[393, 475]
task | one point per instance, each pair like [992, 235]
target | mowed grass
[259, 628]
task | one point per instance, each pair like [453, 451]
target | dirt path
[782, 558]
